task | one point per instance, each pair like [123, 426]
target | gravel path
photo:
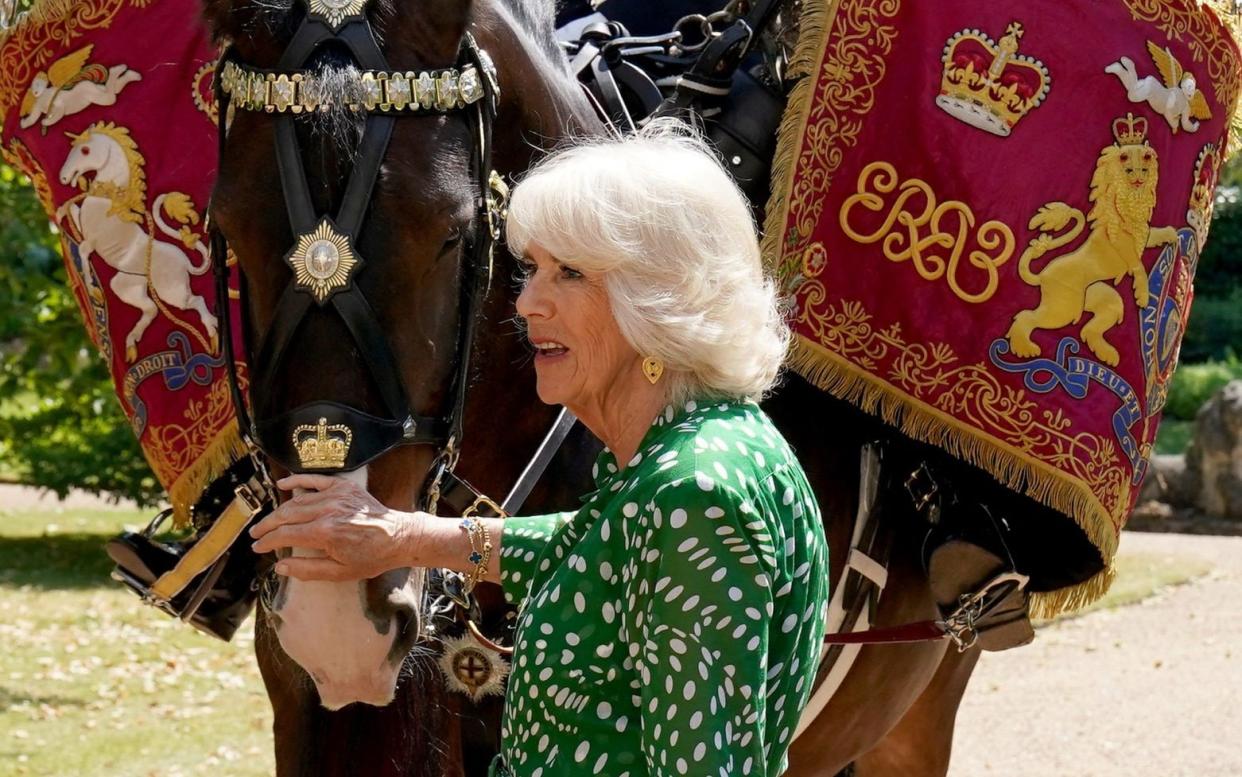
[1151, 689]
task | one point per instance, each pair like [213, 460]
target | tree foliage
[61, 425]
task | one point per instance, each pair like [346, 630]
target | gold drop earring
[653, 368]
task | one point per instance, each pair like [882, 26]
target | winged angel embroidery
[1178, 99]
[71, 85]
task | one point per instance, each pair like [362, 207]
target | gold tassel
[220, 454]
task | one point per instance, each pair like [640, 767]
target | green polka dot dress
[673, 624]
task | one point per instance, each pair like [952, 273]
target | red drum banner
[989, 216]
[107, 106]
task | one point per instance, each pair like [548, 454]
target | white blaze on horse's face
[350, 637]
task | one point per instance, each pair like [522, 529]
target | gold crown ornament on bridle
[322, 446]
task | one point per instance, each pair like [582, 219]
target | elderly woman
[672, 624]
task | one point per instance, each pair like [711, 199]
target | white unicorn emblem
[109, 216]
[71, 85]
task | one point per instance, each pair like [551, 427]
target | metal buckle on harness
[247, 494]
[445, 462]
[961, 625]
[923, 488]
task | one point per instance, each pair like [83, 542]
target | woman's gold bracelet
[480, 550]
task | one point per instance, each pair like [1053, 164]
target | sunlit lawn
[92, 683]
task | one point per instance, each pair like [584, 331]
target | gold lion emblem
[1123, 196]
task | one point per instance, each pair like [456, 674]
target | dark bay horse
[893, 714]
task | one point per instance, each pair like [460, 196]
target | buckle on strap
[962, 625]
[923, 489]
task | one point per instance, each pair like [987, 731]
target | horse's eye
[451, 241]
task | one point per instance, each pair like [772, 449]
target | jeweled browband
[380, 90]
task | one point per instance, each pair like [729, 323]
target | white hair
[674, 238]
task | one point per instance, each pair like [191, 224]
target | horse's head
[94, 150]
[393, 375]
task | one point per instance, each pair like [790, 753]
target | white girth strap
[859, 563]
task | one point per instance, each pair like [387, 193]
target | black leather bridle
[328, 436]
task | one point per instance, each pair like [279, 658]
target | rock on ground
[1149, 690]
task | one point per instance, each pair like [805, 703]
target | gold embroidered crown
[1130, 130]
[988, 84]
[322, 446]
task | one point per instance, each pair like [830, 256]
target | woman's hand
[359, 537]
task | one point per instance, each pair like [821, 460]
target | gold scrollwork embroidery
[932, 373]
[45, 30]
[831, 109]
[918, 228]
[172, 449]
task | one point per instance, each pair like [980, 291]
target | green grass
[92, 683]
[1140, 576]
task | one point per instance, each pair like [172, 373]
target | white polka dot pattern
[672, 625]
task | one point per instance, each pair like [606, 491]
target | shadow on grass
[10, 698]
[58, 561]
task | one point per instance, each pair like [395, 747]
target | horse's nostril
[406, 617]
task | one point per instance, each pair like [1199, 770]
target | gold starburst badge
[323, 261]
[335, 12]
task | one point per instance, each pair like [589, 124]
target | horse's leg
[132, 290]
[293, 701]
[171, 281]
[921, 743]
[884, 681]
[210, 322]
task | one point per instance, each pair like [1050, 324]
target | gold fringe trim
[220, 454]
[813, 25]
[1229, 13]
[1011, 467]
[1048, 605]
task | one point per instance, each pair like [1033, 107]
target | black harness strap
[368, 436]
[364, 435]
